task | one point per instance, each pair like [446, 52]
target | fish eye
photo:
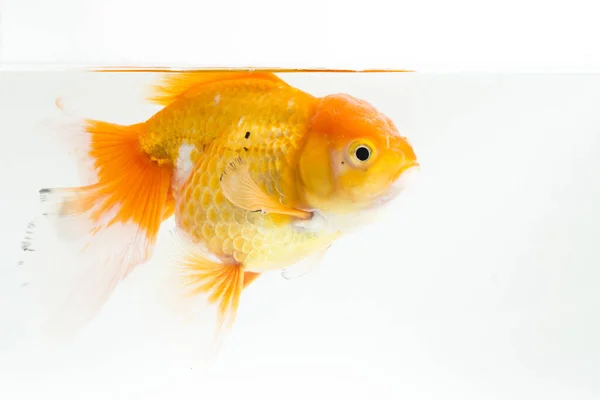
[362, 153]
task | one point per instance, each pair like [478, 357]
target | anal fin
[222, 282]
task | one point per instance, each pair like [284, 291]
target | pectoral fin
[240, 189]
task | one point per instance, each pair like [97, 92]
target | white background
[513, 35]
[482, 284]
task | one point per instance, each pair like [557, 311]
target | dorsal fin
[177, 85]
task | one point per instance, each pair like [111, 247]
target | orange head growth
[353, 156]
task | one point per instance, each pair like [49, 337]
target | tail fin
[115, 221]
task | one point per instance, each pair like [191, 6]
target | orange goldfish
[259, 176]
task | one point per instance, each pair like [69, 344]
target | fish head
[353, 157]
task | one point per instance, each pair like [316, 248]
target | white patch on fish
[217, 99]
[241, 121]
[184, 163]
[290, 104]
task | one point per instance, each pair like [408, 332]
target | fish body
[261, 121]
[258, 174]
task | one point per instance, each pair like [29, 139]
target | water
[481, 283]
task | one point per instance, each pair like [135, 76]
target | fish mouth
[404, 168]
[401, 180]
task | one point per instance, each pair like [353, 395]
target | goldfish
[258, 175]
